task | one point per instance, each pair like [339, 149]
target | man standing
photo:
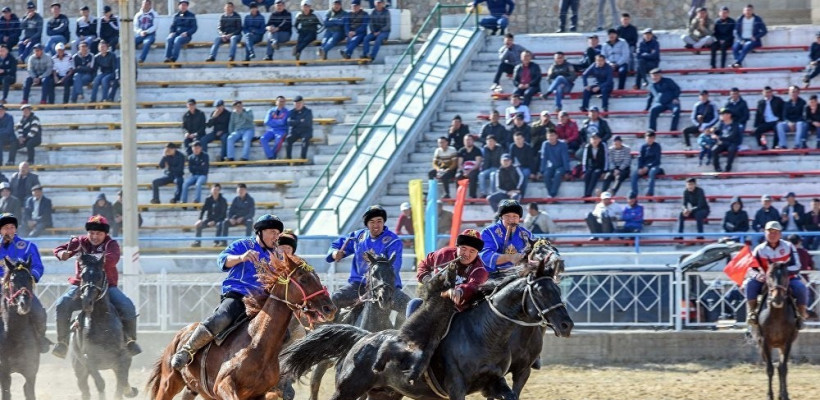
[616, 50]
[198, 164]
[241, 211]
[565, 7]
[173, 162]
[193, 125]
[57, 29]
[663, 96]
[379, 30]
[83, 71]
[38, 212]
[724, 34]
[500, 11]
[63, 73]
[276, 128]
[728, 137]
[527, 78]
[649, 163]
[749, 29]
[229, 31]
[694, 206]
[337, 24]
[8, 71]
[145, 28]
[768, 114]
[561, 75]
[279, 28]
[253, 29]
[300, 121]
[40, 67]
[505, 240]
[28, 135]
[648, 57]
[32, 25]
[240, 126]
[602, 73]
[357, 30]
[105, 63]
[620, 161]
[793, 120]
[704, 116]
[182, 30]
[214, 212]
[554, 162]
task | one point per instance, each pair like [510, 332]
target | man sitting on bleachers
[539, 221]
[105, 64]
[724, 34]
[218, 122]
[490, 163]
[445, 164]
[57, 29]
[32, 31]
[7, 135]
[647, 57]
[379, 30]
[193, 125]
[765, 214]
[23, 181]
[8, 76]
[337, 24]
[736, 219]
[602, 218]
[749, 29]
[29, 135]
[357, 29]
[620, 161]
[768, 114]
[561, 76]
[496, 129]
[527, 78]
[813, 119]
[173, 164]
[39, 68]
[279, 28]
[649, 163]
[704, 116]
[813, 69]
[568, 132]
[792, 213]
[9, 28]
[276, 128]
[663, 96]
[694, 207]
[811, 223]
[9, 203]
[83, 71]
[253, 30]
[198, 165]
[62, 73]
[307, 25]
[617, 53]
[241, 211]
[240, 126]
[700, 31]
[508, 182]
[469, 164]
[632, 215]
[554, 162]
[37, 212]
[145, 28]
[300, 122]
[228, 31]
[213, 213]
[182, 31]
[515, 108]
[603, 85]
[794, 120]
[728, 136]
[109, 30]
[739, 108]
[538, 130]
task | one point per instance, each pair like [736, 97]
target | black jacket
[301, 123]
[21, 186]
[762, 216]
[9, 66]
[794, 112]
[524, 157]
[509, 178]
[725, 30]
[736, 221]
[695, 200]
[800, 210]
[282, 20]
[594, 160]
[244, 208]
[603, 130]
[220, 123]
[535, 75]
[777, 110]
[174, 165]
[194, 123]
[198, 164]
[216, 210]
[230, 25]
[45, 211]
[809, 224]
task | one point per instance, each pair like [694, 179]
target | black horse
[97, 343]
[777, 323]
[373, 311]
[20, 350]
[473, 357]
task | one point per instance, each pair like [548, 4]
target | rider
[774, 249]
[377, 238]
[239, 260]
[96, 242]
[287, 242]
[470, 269]
[505, 240]
[15, 248]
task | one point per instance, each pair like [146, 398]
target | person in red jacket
[97, 242]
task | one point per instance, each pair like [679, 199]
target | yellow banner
[417, 207]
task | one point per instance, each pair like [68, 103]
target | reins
[11, 296]
[528, 293]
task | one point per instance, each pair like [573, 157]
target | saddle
[219, 338]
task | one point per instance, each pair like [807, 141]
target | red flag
[458, 208]
[736, 268]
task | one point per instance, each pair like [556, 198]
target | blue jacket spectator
[632, 215]
[647, 57]
[602, 72]
[649, 164]
[554, 162]
[663, 96]
[379, 30]
[184, 22]
[57, 30]
[649, 156]
[749, 29]
[32, 28]
[255, 24]
[182, 30]
[9, 75]
[765, 214]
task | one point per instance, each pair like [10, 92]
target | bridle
[304, 308]
[528, 294]
[102, 289]
[368, 297]
[10, 295]
[774, 286]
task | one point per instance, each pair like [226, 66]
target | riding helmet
[471, 238]
[97, 223]
[373, 212]
[268, 221]
[288, 238]
[510, 206]
[8, 218]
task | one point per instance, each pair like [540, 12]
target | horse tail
[326, 342]
[153, 379]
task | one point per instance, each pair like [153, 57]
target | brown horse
[778, 325]
[246, 364]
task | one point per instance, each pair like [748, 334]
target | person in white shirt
[601, 219]
[516, 106]
[145, 28]
[62, 73]
[538, 221]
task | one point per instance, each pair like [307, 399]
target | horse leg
[316, 378]
[286, 388]
[766, 352]
[123, 387]
[188, 394]
[81, 372]
[351, 385]
[28, 387]
[499, 390]
[783, 370]
[5, 382]
[520, 379]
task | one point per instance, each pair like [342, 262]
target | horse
[97, 342]
[373, 311]
[474, 356]
[777, 324]
[246, 364]
[20, 347]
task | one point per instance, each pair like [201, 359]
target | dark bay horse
[473, 357]
[19, 349]
[777, 323]
[246, 364]
[98, 342]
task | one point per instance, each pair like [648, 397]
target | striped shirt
[620, 158]
[445, 158]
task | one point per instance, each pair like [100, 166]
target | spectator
[527, 78]
[519, 127]
[510, 56]
[554, 162]
[539, 222]
[632, 215]
[337, 24]
[62, 73]
[728, 137]
[173, 164]
[601, 4]
[469, 164]
[182, 30]
[490, 163]
[704, 116]
[811, 223]
[379, 30]
[602, 73]
[105, 63]
[374, 2]
[241, 211]
[496, 129]
[213, 213]
[356, 29]
[508, 182]
[591, 51]
[694, 206]
[267, 3]
[39, 68]
[740, 111]
[445, 163]
[705, 142]
[567, 131]
[198, 164]
[8, 71]
[276, 128]
[116, 223]
[620, 160]
[9, 28]
[768, 114]
[9, 203]
[457, 132]
[601, 218]
[7, 132]
[813, 119]
[32, 31]
[792, 214]
[29, 135]
[724, 32]
[103, 207]
[700, 31]
[84, 70]
[525, 158]
[567, 5]
[253, 30]
[404, 225]
[109, 30]
[229, 30]
[749, 29]
[38, 212]
[594, 163]
[663, 96]
[736, 219]
[812, 69]
[765, 214]
[193, 125]
[649, 163]
[806, 260]
[219, 121]
[279, 28]
[23, 181]
[240, 126]
[793, 120]
[648, 57]
[695, 6]
[57, 29]
[500, 11]
[628, 32]
[539, 130]
[561, 76]
[307, 26]
[616, 50]
[300, 121]
[515, 108]
[145, 28]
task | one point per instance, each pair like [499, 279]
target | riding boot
[801, 316]
[61, 348]
[129, 327]
[751, 307]
[199, 338]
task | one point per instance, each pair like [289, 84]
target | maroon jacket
[472, 276]
[108, 248]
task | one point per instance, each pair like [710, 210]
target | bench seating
[643, 93]
[763, 49]
[171, 103]
[118, 145]
[657, 199]
[632, 113]
[258, 63]
[279, 184]
[221, 83]
[146, 165]
[161, 206]
[112, 125]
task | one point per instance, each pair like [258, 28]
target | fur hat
[470, 237]
[97, 223]
[373, 212]
[510, 206]
[288, 238]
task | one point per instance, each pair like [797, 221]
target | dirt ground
[695, 381]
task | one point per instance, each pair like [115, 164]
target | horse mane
[254, 303]
[270, 274]
[500, 279]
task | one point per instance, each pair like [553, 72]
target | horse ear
[28, 261]
[541, 271]
[370, 257]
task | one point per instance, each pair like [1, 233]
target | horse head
[778, 284]
[18, 284]
[293, 281]
[381, 279]
[93, 281]
[442, 279]
[543, 250]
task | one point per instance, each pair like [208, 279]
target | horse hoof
[132, 393]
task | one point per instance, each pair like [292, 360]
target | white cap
[404, 206]
[59, 46]
[306, 3]
[606, 195]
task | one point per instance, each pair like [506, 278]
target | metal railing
[362, 130]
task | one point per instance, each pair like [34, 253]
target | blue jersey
[387, 244]
[20, 249]
[494, 237]
[242, 277]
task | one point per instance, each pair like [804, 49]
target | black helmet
[268, 221]
[8, 218]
